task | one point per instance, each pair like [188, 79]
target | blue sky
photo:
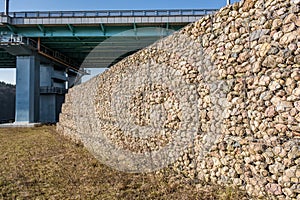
[8, 75]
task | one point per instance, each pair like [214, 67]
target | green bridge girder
[77, 42]
[69, 30]
[76, 33]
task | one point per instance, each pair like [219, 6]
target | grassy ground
[38, 163]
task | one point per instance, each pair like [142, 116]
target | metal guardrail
[111, 13]
[10, 40]
[20, 40]
[13, 39]
[57, 55]
[52, 90]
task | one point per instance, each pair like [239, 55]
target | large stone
[297, 105]
[270, 61]
[288, 38]
[270, 112]
[281, 127]
[277, 35]
[297, 22]
[234, 36]
[274, 85]
[264, 48]
[247, 5]
[296, 91]
[277, 23]
[264, 80]
[288, 27]
[256, 67]
[237, 48]
[258, 34]
[274, 188]
[290, 18]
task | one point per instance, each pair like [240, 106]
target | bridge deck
[104, 17]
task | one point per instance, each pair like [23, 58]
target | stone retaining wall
[224, 91]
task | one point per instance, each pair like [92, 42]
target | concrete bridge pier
[52, 91]
[27, 89]
[40, 90]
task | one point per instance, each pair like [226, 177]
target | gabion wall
[219, 101]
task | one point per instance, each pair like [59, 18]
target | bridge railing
[14, 39]
[111, 13]
[52, 90]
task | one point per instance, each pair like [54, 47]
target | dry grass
[38, 163]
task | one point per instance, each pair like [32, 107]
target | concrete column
[27, 89]
[47, 99]
[48, 108]
[46, 71]
[52, 92]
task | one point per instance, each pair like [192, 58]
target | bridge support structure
[52, 93]
[41, 80]
[27, 89]
[40, 91]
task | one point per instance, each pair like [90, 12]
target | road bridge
[49, 48]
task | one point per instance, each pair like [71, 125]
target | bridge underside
[84, 39]
[76, 42]
[7, 60]
[76, 33]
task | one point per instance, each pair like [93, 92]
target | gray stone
[258, 33]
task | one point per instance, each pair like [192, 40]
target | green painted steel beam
[134, 27]
[71, 28]
[93, 40]
[88, 45]
[103, 29]
[12, 29]
[42, 28]
[82, 31]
